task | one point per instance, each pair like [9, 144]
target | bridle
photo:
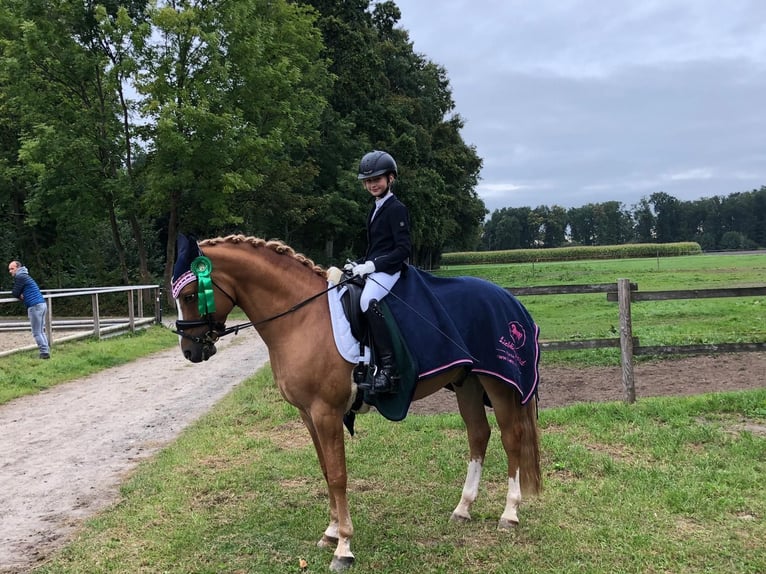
[202, 268]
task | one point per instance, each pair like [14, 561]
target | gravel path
[65, 451]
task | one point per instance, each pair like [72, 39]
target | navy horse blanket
[464, 321]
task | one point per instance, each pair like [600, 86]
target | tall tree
[668, 214]
[511, 228]
[644, 221]
[582, 224]
[119, 32]
[234, 89]
[65, 93]
[553, 225]
[388, 97]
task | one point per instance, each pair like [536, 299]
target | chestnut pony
[284, 295]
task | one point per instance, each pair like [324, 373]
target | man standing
[25, 288]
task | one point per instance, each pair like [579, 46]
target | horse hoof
[342, 563]
[505, 524]
[462, 518]
[327, 542]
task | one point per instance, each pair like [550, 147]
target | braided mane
[274, 244]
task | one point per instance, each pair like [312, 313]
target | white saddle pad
[347, 345]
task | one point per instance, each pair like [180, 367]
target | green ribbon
[202, 267]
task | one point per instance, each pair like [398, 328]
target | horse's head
[202, 303]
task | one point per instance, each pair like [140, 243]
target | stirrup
[385, 381]
[364, 377]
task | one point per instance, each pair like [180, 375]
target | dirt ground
[562, 386]
[65, 451]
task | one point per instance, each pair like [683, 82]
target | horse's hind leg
[470, 400]
[519, 435]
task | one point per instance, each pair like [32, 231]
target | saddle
[351, 307]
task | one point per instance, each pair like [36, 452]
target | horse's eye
[190, 297]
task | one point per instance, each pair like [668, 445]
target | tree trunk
[170, 247]
[118, 245]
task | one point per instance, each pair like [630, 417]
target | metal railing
[96, 325]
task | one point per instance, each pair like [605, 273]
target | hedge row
[631, 251]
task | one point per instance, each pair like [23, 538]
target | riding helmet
[376, 163]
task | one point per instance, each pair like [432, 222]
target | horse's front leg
[327, 433]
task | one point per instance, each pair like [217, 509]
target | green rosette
[202, 267]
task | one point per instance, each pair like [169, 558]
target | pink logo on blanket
[509, 347]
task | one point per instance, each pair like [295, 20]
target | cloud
[570, 102]
[690, 174]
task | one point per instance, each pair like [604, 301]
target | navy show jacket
[388, 236]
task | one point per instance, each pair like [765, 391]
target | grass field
[687, 272]
[670, 485]
[680, 322]
[664, 485]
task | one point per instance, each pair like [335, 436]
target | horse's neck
[278, 299]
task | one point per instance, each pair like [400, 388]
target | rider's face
[377, 186]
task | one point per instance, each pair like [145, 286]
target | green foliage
[235, 91]
[388, 97]
[67, 63]
[733, 222]
[662, 485]
[625, 251]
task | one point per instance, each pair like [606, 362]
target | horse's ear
[186, 250]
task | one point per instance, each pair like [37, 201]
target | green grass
[24, 373]
[664, 485]
[680, 322]
[685, 272]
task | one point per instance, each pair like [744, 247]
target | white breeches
[377, 286]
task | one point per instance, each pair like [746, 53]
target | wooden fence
[624, 292]
[95, 325]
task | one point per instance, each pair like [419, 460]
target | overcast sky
[571, 102]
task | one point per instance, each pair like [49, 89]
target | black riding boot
[385, 378]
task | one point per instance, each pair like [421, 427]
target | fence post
[49, 321]
[96, 315]
[131, 312]
[158, 305]
[626, 340]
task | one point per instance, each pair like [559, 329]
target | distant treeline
[737, 221]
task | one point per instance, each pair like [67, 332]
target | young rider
[388, 249]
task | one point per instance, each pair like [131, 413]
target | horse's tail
[530, 474]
